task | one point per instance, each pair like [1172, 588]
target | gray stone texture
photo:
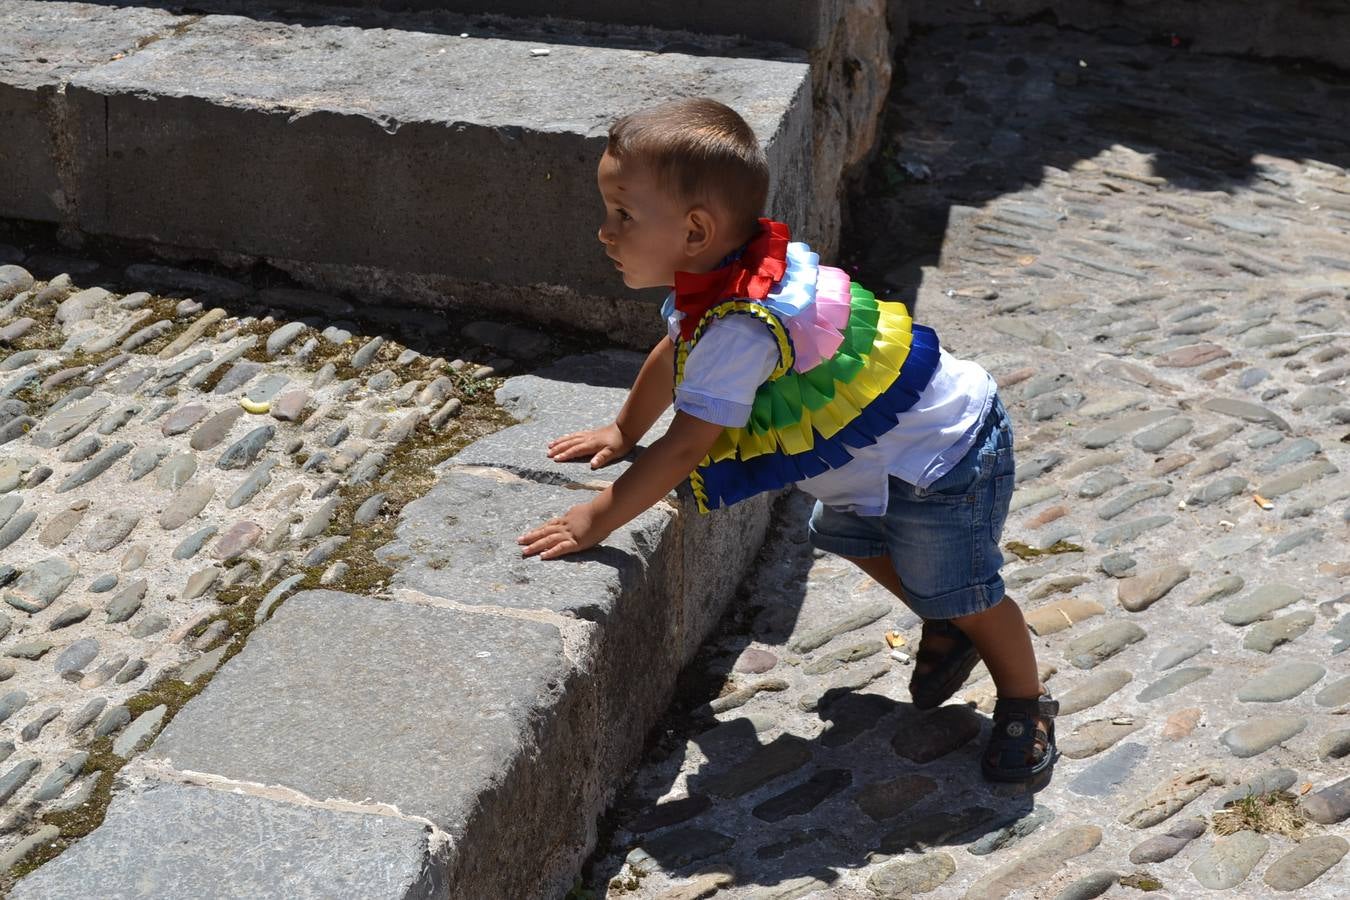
[437, 142]
[319, 699]
[177, 840]
[1303, 864]
[1329, 805]
[458, 542]
[1230, 860]
[577, 392]
[57, 40]
[798, 23]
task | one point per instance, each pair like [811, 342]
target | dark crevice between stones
[430, 331]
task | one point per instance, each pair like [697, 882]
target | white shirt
[737, 354]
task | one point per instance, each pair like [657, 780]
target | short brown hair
[700, 149]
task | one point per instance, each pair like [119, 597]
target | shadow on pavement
[913, 777]
[977, 113]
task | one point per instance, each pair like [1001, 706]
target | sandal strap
[1043, 706]
[1023, 742]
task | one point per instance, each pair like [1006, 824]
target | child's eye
[624, 216]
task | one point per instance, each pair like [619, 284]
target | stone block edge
[606, 674]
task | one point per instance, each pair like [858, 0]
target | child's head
[684, 184]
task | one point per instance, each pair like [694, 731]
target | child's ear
[700, 231]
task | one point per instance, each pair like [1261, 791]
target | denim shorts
[943, 540]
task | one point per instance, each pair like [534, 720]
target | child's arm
[649, 397]
[663, 465]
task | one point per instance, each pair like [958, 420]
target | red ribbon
[759, 268]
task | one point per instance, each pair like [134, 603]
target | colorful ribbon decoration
[849, 364]
[750, 276]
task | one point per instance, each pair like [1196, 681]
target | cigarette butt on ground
[1262, 502]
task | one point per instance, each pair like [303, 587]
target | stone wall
[851, 76]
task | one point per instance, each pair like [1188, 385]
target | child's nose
[603, 235]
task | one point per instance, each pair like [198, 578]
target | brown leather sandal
[1023, 743]
[948, 668]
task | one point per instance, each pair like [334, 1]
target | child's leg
[1000, 634]
[944, 541]
[937, 646]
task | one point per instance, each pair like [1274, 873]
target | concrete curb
[485, 705]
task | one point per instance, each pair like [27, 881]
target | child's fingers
[566, 437]
[602, 457]
[562, 548]
[536, 546]
[547, 542]
[535, 534]
[570, 451]
[560, 446]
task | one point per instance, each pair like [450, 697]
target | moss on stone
[1026, 551]
[1141, 881]
[104, 765]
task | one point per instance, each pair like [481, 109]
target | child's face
[646, 230]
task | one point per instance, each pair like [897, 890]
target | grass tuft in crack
[1276, 812]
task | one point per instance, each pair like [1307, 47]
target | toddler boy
[782, 371]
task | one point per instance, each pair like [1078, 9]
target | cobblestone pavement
[1151, 252]
[169, 474]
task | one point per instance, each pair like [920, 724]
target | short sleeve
[734, 357]
[671, 317]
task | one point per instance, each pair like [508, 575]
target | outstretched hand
[573, 531]
[603, 445]
[659, 469]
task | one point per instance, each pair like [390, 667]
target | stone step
[409, 745]
[797, 23]
[424, 162]
[188, 842]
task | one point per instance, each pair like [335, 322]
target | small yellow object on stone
[1262, 502]
[257, 407]
[894, 639]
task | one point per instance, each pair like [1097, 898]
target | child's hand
[602, 445]
[574, 530]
